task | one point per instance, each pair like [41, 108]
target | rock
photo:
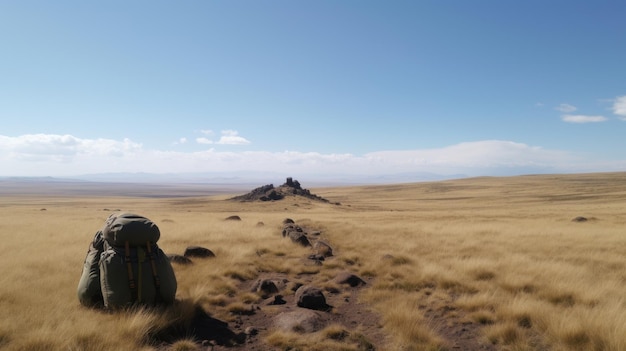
[291, 228]
[299, 238]
[272, 195]
[288, 221]
[276, 300]
[323, 249]
[180, 259]
[349, 279]
[301, 321]
[312, 298]
[198, 251]
[251, 331]
[265, 287]
[233, 218]
[207, 343]
[580, 219]
[316, 257]
[260, 224]
[288, 228]
[296, 286]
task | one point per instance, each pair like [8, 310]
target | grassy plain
[499, 253]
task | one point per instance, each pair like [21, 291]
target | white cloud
[63, 147]
[619, 107]
[583, 119]
[473, 155]
[204, 141]
[59, 155]
[566, 108]
[206, 132]
[231, 137]
[180, 141]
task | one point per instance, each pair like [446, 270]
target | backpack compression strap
[129, 267]
[155, 275]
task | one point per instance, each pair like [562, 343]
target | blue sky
[312, 87]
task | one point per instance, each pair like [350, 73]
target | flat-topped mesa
[268, 192]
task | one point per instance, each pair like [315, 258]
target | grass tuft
[400, 260]
[239, 308]
[184, 345]
[335, 332]
[505, 334]
[483, 317]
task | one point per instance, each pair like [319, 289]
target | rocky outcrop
[268, 192]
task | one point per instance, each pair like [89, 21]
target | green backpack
[124, 266]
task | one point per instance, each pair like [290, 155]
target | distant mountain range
[240, 178]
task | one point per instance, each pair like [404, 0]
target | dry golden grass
[501, 252]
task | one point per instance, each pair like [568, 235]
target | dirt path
[453, 326]
[250, 328]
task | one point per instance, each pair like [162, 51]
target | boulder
[198, 251]
[301, 321]
[312, 298]
[233, 218]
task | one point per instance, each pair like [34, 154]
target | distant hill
[245, 178]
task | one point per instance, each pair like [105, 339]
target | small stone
[316, 257]
[278, 300]
[198, 251]
[251, 331]
[179, 259]
[265, 287]
[349, 279]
